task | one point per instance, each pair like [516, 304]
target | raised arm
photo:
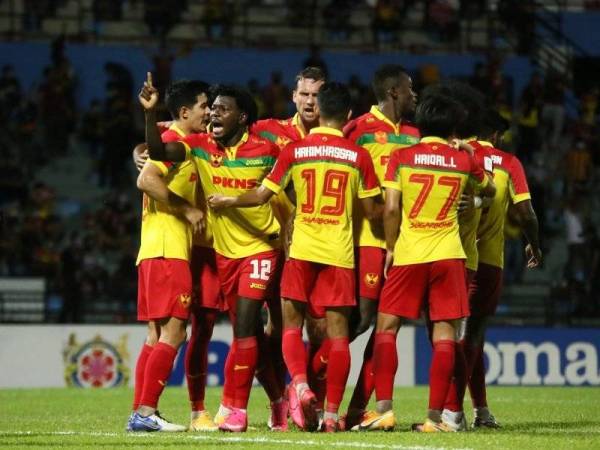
[157, 150]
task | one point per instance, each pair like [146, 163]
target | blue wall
[227, 65]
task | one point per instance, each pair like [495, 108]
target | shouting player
[381, 130]
[425, 258]
[328, 174]
[231, 161]
[165, 283]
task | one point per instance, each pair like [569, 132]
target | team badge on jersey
[371, 279]
[185, 300]
[216, 160]
[96, 363]
[381, 137]
[282, 141]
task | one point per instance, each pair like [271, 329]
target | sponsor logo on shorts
[258, 286]
[185, 299]
[371, 279]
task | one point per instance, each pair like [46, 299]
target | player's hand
[389, 259]
[148, 96]
[140, 155]
[534, 256]
[462, 145]
[466, 203]
[218, 201]
[195, 217]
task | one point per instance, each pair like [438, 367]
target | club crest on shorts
[381, 137]
[185, 299]
[216, 160]
[371, 279]
[96, 363]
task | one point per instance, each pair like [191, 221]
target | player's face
[199, 115]
[407, 98]
[305, 98]
[225, 117]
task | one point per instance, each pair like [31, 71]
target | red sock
[140, 369]
[265, 369]
[196, 355]
[337, 373]
[477, 382]
[158, 369]
[320, 358]
[365, 385]
[440, 372]
[385, 364]
[246, 357]
[456, 391]
[228, 384]
[294, 353]
[317, 371]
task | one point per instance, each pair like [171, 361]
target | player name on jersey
[325, 151]
[434, 160]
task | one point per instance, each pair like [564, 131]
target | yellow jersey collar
[379, 115]
[327, 130]
[232, 151]
[433, 140]
[485, 143]
[177, 130]
[298, 124]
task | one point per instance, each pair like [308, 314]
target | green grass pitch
[540, 418]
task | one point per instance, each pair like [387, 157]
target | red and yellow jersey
[379, 136]
[231, 171]
[431, 177]
[329, 173]
[163, 233]
[468, 222]
[279, 132]
[511, 185]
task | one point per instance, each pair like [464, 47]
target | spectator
[217, 18]
[276, 96]
[386, 22]
[553, 111]
[314, 59]
[336, 16]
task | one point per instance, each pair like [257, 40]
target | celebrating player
[379, 131]
[486, 287]
[328, 173]
[165, 283]
[230, 161]
[424, 258]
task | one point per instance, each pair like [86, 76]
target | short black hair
[439, 114]
[243, 99]
[492, 123]
[184, 93]
[386, 77]
[312, 73]
[473, 102]
[334, 101]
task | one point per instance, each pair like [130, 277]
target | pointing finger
[149, 78]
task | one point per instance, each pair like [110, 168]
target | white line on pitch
[233, 439]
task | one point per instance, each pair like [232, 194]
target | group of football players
[332, 224]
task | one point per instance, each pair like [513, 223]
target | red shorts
[485, 290]
[369, 271]
[164, 289]
[443, 282]
[251, 277]
[319, 285]
[207, 287]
